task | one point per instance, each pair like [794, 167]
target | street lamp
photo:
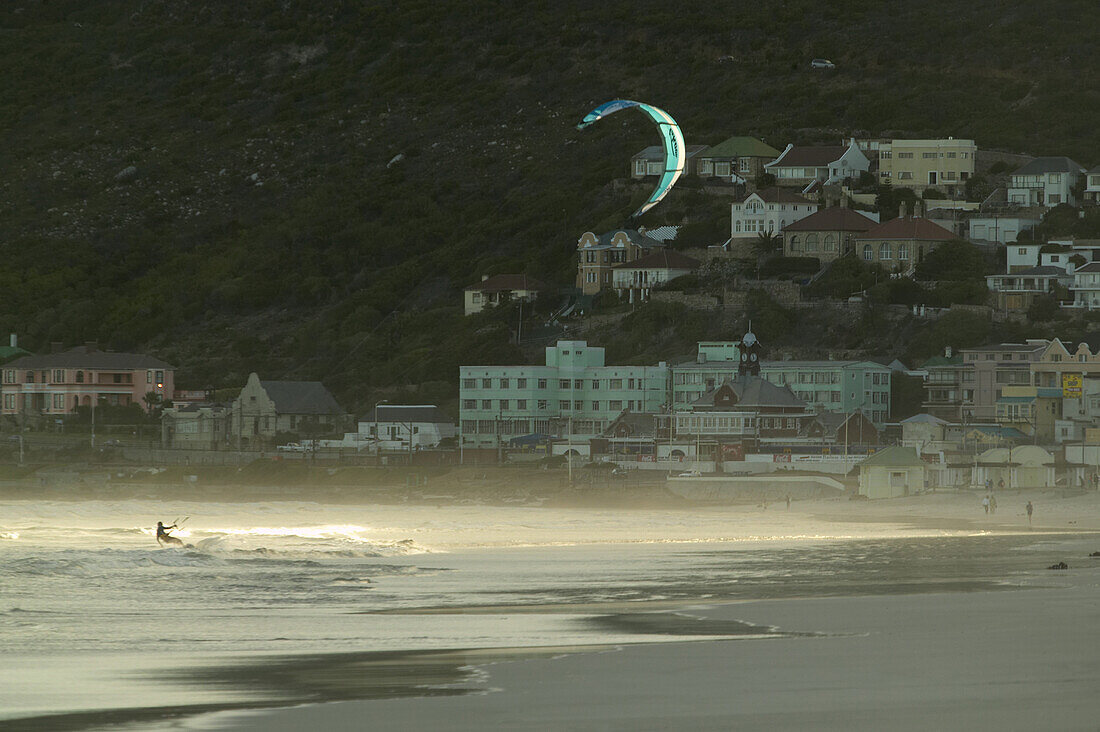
[377, 436]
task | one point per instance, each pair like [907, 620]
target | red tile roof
[502, 282]
[909, 228]
[666, 259]
[832, 219]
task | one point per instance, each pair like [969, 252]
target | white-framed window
[469, 403]
[58, 401]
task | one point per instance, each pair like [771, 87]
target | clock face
[744, 357]
[753, 357]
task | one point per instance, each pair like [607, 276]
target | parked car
[822, 63]
[690, 474]
[292, 447]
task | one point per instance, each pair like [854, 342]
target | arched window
[830, 243]
[80, 377]
[868, 252]
[884, 251]
[903, 251]
[796, 244]
[737, 226]
[811, 242]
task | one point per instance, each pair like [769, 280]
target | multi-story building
[949, 388]
[597, 255]
[768, 211]
[922, 164]
[827, 234]
[997, 366]
[1045, 182]
[902, 242]
[1086, 286]
[715, 362]
[806, 167]
[57, 383]
[1018, 290]
[573, 394]
[836, 386]
[1092, 185]
[636, 280]
[1033, 410]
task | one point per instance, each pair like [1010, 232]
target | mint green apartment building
[573, 393]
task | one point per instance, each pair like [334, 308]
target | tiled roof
[1090, 267]
[501, 282]
[909, 228]
[664, 259]
[423, 413]
[833, 219]
[88, 357]
[816, 156]
[657, 152]
[737, 147]
[778, 195]
[632, 235]
[754, 391]
[301, 397]
[1059, 164]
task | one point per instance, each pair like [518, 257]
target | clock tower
[751, 353]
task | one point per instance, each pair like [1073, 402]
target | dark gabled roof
[428, 413]
[815, 156]
[657, 152]
[778, 195]
[1090, 267]
[664, 259]
[1058, 164]
[635, 424]
[632, 235]
[754, 391]
[832, 219]
[88, 357]
[502, 282]
[741, 147]
[909, 228]
[301, 397]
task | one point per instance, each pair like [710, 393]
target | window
[578, 405]
[58, 376]
[542, 383]
[564, 383]
[811, 242]
[469, 403]
[117, 378]
[905, 156]
[486, 383]
[521, 383]
[595, 406]
[950, 154]
[9, 401]
[543, 404]
[796, 243]
[578, 383]
[59, 401]
[830, 243]
[486, 403]
[615, 405]
[504, 383]
[469, 383]
[9, 376]
[595, 384]
[903, 251]
[929, 156]
[148, 377]
[905, 175]
[563, 405]
[521, 404]
[503, 404]
[616, 384]
[885, 251]
[868, 252]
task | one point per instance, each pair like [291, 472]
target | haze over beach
[496, 365]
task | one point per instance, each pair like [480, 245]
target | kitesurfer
[163, 537]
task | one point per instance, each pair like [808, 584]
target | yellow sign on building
[1071, 386]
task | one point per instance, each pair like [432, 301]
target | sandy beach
[832, 614]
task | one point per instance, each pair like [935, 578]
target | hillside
[220, 183]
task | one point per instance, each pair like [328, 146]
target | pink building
[59, 382]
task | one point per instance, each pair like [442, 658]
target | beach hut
[1027, 466]
[891, 473]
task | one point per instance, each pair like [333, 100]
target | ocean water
[95, 616]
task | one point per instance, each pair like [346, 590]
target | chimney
[917, 208]
[13, 341]
[902, 210]
[947, 351]
[484, 277]
[55, 346]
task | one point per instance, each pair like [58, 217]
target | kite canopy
[673, 139]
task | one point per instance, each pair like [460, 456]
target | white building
[406, 426]
[636, 279]
[1045, 182]
[1003, 229]
[805, 166]
[767, 212]
[1086, 286]
[1092, 185]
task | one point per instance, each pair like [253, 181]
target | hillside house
[266, 409]
[597, 255]
[1018, 290]
[902, 242]
[1002, 229]
[806, 166]
[55, 384]
[651, 161]
[636, 280]
[499, 289]
[1092, 185]
[1045, 182]
[1086, 287]
[768, 211]
[738, 159]
[922, 164]
[827, 234]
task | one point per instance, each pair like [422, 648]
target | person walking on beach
[992, 503]
[1001, 484]
[788, 503]
[1030, 508]
[985, 504]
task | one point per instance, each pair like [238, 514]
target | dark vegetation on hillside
[302, 189]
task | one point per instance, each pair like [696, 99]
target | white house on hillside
[767, 212]
[803, 166]
[638, 278]
[1045, 182]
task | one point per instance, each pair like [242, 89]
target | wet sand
[1014, 660]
